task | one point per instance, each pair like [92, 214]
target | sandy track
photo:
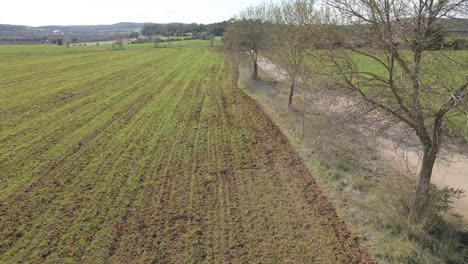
[452, 173]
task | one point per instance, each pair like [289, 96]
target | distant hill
[42, 34]
[119, 27]
[89, 33]
[458, 26]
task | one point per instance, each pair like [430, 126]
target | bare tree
[118, 43]
[391, 67]
[67, 40]
[157, 40]
[295, 30]
[169, 41]
[212, 39]
[248, 34]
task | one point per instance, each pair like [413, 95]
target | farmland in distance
[151, 155]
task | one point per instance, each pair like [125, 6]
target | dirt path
[451, 173]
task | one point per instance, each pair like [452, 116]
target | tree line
[181, 29]
[415, 84]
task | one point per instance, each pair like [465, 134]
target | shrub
[440, 232]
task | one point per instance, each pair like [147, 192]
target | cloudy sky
[87, 12]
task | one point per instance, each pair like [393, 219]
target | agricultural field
[92, 47]
[151, 155]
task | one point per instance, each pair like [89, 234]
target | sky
[91, 12]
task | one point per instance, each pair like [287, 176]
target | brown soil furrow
[26, 205]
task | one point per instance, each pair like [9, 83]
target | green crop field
[150, 155]
[92, 47]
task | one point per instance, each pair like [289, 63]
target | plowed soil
[151, 156]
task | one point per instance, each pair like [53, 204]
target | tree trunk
[255, 64]
[424, 183]
[291, 93]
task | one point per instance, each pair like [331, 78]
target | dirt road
[452, 173]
